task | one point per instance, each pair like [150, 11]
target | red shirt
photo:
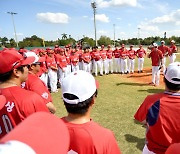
[74, 59]
[67, 54]
[91, 138]
[37, 85]
[96, 55]
[109, 54]
[86, 57]
[161, 111]
[116, 53]
[131, 54]
[123, 53]
[61, 61]
[20, 104]
[164, 49]
[140, 53]
[103, 54]
[155, 56]
[51, 62]
[172, 49]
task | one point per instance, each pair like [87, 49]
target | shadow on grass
[133, 139]
[131, 84]
[139, 75]
[152, 90]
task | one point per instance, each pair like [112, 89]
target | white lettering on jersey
[9, 106]
[45, 95]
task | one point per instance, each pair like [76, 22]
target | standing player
[68, 54]
[160, 113]
[164, 49]
[104, 59]
[109, 54]
[20, 103]
[117, 61]
[172, 51]
[86, 57]
[131, 62]
[156, 58]
[140, 53]
[79, 92]
[123, 55]
[74, 58]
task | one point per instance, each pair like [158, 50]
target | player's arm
[51, 107]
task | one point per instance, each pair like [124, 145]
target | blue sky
[50, 18]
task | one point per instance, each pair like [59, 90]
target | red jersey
[155, 56]
[131, 54]
[172, 49]
[123, 53]
[51, 62]
[74, 59]
[43, 67]
[109, 54]
[67, 54]
[37, 85]
[116, 53]
[140, 53]
[103, 54]
[86, 57]
[161, 111]
[87, 138]
[20, 103]
[96, 55]
[164, 49]
[61, 61]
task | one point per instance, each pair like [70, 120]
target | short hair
[171, 86]
[81, 107]
[6, 76]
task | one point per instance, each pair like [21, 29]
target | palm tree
[64, 36]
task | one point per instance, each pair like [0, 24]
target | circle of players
[62, 61]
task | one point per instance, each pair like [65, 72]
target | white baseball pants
[140, 64]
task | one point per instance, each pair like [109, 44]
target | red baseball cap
[41, 133]
[10, 59]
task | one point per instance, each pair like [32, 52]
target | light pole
[114, 33]
[93, 4]
[139, 35]
[12, 15]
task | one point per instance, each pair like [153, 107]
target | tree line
[35, 41]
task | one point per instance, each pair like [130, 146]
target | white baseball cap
[172, 41]
[162, 41]
[41, 133]
[79, 83]
[172, 73]
[155, 44]
[33, 54]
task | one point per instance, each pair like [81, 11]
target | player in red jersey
[164, 49]
[131, 62]
[67, 54]
[140, 53]
[123, 56]
[20, 103]
[34, 83]
[52, 70]
[86, 57]
[116, 54]
[103, 54]
[74, 58]
[172, 51]
[156, 58]
[109, 54]
[86, 137]
[160, 113]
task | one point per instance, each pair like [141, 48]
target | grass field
[118, 99]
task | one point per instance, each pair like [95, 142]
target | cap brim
[28, 61]
[43, 132]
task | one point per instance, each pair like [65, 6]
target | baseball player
[117, 60]
[52, 70]
[97, 61]
[33, 83]
[123, 56]
[131, 60]
[160, 113]
[140, 53]
[156, 58]
[67, 54]
[20, 103]
[172, 51]
[164, 49]
[86, 57]
[74, 58]
[109, 54]
[103, 54]
[78, 92]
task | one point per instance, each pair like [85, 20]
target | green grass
[118, 99]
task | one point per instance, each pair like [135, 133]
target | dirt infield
[145, 77]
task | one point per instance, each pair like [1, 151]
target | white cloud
[102, 32]
[53, 17]
[116, 3]
[102, 18]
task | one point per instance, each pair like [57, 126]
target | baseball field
[119, 96]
